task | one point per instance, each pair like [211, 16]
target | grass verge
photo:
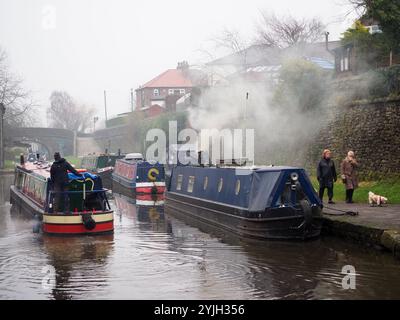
[389, 188]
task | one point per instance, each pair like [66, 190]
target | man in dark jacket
[326, 175]
[59, 178]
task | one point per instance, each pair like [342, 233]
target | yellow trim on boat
[75, 219]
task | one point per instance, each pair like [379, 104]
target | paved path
[386, 217]
[379, 226]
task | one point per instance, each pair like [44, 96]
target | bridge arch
[51, 139]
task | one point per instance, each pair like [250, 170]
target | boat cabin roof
[37, 168]
[262, 168]
[252, 188]
[133, 156]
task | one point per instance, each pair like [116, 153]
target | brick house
[162, 92]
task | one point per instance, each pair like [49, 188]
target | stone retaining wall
[371, 129]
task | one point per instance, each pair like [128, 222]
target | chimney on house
[184, 65]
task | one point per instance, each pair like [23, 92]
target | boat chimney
[199, 158]
[119, 152]
[22, 159]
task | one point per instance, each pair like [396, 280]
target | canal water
[152, 255]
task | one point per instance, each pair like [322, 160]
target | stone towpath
[377, 226]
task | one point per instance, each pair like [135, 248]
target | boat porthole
[220, 183]
[237, 187]
[205, 184]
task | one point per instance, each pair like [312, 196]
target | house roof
[252, 55]
[172, 78]
[322, 63]
[257, 55]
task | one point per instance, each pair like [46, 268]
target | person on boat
[349, 175]
[59, 178]
[326, 175]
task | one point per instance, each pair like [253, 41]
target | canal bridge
[49, 140]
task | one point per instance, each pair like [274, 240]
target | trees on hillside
[387, 14]
[302, 86]
[16, 99]
[286, 31]
[64, 112]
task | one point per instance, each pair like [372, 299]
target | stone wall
[370, 129]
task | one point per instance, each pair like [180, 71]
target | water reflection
[154, 255]
[5, 182]
[78, 260]
[146, 210]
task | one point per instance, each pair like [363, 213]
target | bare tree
[17, 100]
[360, 6]
[65, 113]
[287, 31]
[231, 40]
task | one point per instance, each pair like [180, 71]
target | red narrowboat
[83, 209]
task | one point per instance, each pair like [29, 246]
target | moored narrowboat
[134, 175]
[101, 165]
[253, 202]
[83, 209]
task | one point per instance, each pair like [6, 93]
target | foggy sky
[95, 45]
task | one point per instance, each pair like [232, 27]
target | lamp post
[2, 112]
[105, 105]
[245, 106]
[95, 119]
[131, 100]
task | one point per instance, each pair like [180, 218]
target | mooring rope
[342, 212]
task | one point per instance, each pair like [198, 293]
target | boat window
[220, 183]
[190, 184]
[179, 182]
[237, 187]
[205, 184]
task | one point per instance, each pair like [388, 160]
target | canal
[155, 256]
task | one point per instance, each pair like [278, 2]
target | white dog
[375, 199]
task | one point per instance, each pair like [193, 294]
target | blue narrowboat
[134, 175]
[253, 202]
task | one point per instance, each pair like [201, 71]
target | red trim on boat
[160, 189]
[149, 197]
[77, 228]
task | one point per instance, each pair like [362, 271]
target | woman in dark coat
[326, 175]
[349, 175]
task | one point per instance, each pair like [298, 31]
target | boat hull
[140, 188]
[61, 224]
[106, 178]
[280, 224]
[21, 204]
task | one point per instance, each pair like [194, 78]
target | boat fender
[307, 211]
[88, 221]
[152, 174]
[153, 189]
[37, 226]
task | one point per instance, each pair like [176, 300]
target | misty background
[85, 47]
